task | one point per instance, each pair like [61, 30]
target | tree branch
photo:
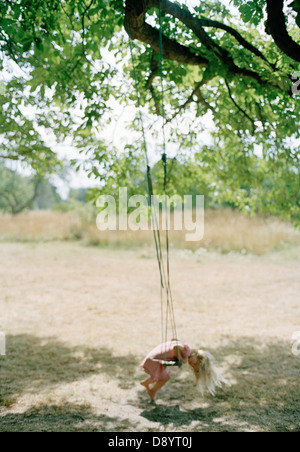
[215, 24]
[240, 108]
[6, 196]
[194, 24]
[137, 28]
[276, 27]
[88, 7]
[203, 101]
[149, 84]
[196, 92]
[10, 157]
[19, 208]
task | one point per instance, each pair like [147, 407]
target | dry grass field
[225, 231]
[80, 319]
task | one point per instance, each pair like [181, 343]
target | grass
[225, 231]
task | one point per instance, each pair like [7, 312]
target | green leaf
[94, 11]
[27, 44]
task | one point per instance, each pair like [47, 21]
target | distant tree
[18, 193]
[79, 194]
[47, 196]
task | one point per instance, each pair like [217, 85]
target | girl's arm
[170, 363]
[178, 350]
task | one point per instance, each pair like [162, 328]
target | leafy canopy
[65, 63]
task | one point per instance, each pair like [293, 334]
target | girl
[175, 353]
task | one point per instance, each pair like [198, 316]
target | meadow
[79, 319]
[226, 231]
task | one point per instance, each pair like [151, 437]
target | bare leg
[147, 383]
[160, 384]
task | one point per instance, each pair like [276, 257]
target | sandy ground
[80, 320]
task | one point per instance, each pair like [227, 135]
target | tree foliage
[19, 193]
[16, 193]
[232, 67]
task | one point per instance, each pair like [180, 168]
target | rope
[165, 279]
[170, 303]
[149, 179]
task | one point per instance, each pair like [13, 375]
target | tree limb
[6, 196]
[12, 201]
[247, 45]
[276, 27]
[194, 24]
[21, 207]
[10, 157]
[137, 28]
[240, 108]
[149, 84]
[196, 92]
[203, 101]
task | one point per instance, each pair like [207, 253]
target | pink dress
[165, 352]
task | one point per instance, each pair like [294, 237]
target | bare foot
[152, 394]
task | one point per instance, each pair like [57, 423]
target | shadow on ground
[264, 396]
[34, 364]
[66, 418]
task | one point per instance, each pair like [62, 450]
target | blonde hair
[207, 377]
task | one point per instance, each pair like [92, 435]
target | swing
[155, 364]
[167, 308]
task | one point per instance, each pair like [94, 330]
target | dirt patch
[80, 320]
